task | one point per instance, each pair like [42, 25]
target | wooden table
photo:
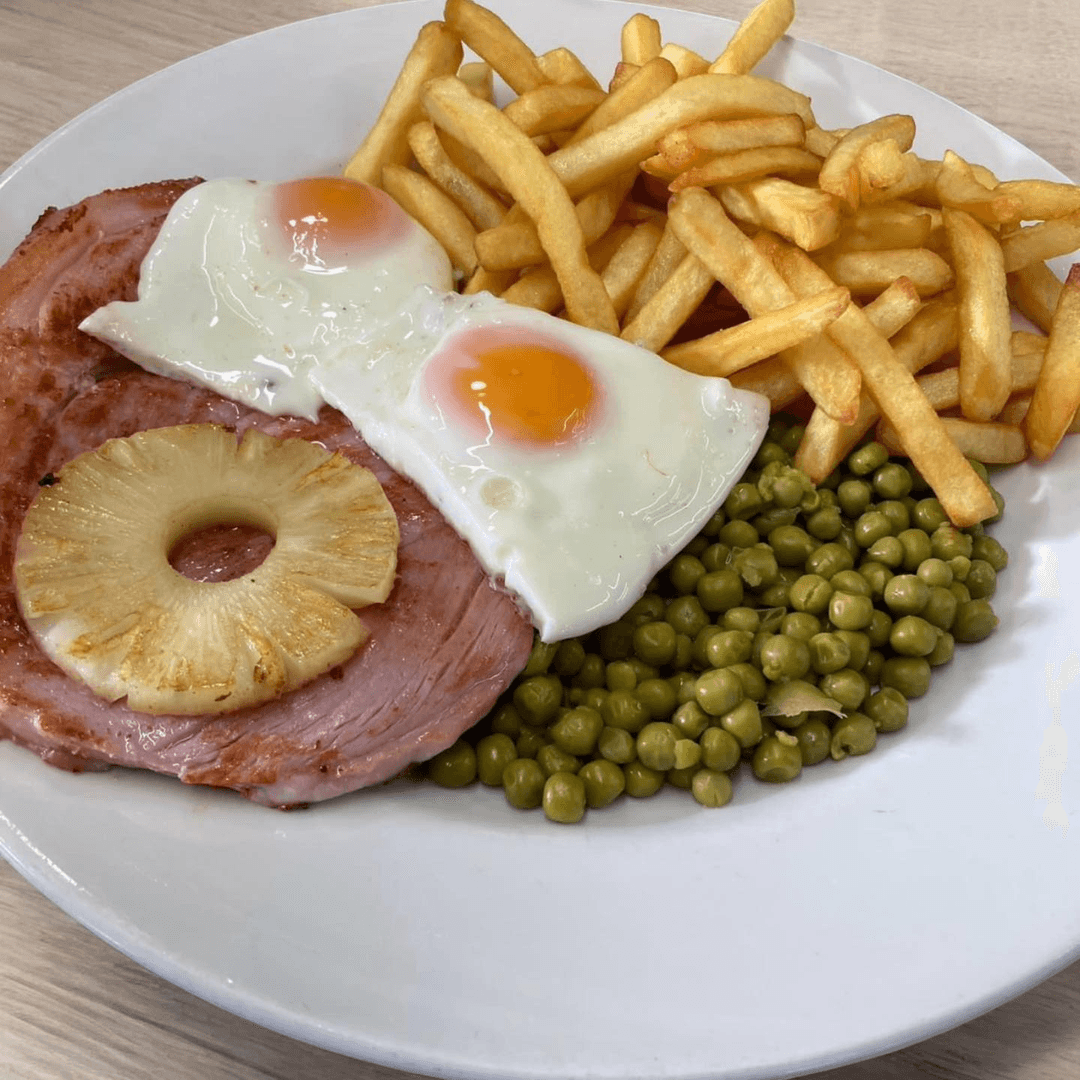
[70, 1006]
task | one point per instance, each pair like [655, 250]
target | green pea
[684, 571]
[616, 745]
[798, 624]
[604, 782]
[616, 640]
[538, 698]
[741, 618]
[847, 686]
[778, 595]
[828, 653]
[684, 649]
[940, 608]
[529, 742]
[654, 642]
[867, 459]
[564, 798]
[850, 581]
[981, 580]
[897, 512]
[792, 437]
[888, 551]
[772, 619]
[887, 708]
[877, 576]
[947, 541]
[711, 788]
[811, 593]
[714, 557]
[906, 594]
[850, 612]
[641, 781]
[777, 758]
[960, 591]
[912, 636]
[989, 550]
[756, 566]
[917, 548]
[690, 720]
[784, 657]
[714, 524]
[852, 735]
[935, 572]
[752, 681]
[943, 650]
[743, 501]
[960, 565]
[773, 518]
[682, 683]
[858, 644]
[620, 675]
[892, 481]
[454, 767]
[687, 754]
[847, 540]
[738, 534]
[828, 560]
[577, 730]
[719, 590]
[744, 722]
[770, 451]
[791, 545]
[875, 658]
[719, 749]
[824, 524]
[728, 647]
[718, 690]
[929, 514]
[975, 620]
[871, 527]
[686, 615]
[523, 783]
[658, 696]
[879, 629]
[506, 720]
[493, 754]
[656, 745]
[854, 497]
[623, 710]
[593, 672]
[553, 759]
[814, 737]
[908, 674]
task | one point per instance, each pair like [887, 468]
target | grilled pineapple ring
[96, 590]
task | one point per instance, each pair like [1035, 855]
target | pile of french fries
[852, 263]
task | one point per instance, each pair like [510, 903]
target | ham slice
[443, 647]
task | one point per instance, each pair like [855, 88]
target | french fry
[728, 136]
[526, 174]
[917, 180]
[960, 490]
[678, 150]
[991, 442]
[609, 151]
[879, 165]
[470, 162]
[514, 244]
[805, 215]
[552, 108]
[894, 307]
[985, 321]
[490, 38]
[685, 61]
[640, 87]
[641, 40]
[1038, 200]
[669, 252]
[838, 173]
[885, 227]
[866, 273]
[495, 282]
[564, 67]
[748, 165]
[754, 37]
[699, 221]
[436, 51]
[1037, 243]
[727, 351]
[627, 266]
[479, 78]
[436, 211]
[670, 306]
[477, 203]
[819, 141]
[1057, 392]
[771, 378]
[942, 388]
[1035, 290]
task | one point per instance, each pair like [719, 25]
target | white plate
[866, 906]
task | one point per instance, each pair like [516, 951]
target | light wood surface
[70, 1006]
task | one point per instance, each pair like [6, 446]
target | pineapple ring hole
[220, 552]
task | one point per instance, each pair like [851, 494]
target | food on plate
[96, 590]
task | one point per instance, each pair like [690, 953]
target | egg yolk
[327, 221]
[515, 386]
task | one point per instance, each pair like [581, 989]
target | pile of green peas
[856, 590]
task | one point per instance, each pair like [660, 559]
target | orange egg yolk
[327, 221]
[516, 386]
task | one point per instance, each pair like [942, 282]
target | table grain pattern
[72, 1007]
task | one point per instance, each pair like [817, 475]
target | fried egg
[573, 463]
